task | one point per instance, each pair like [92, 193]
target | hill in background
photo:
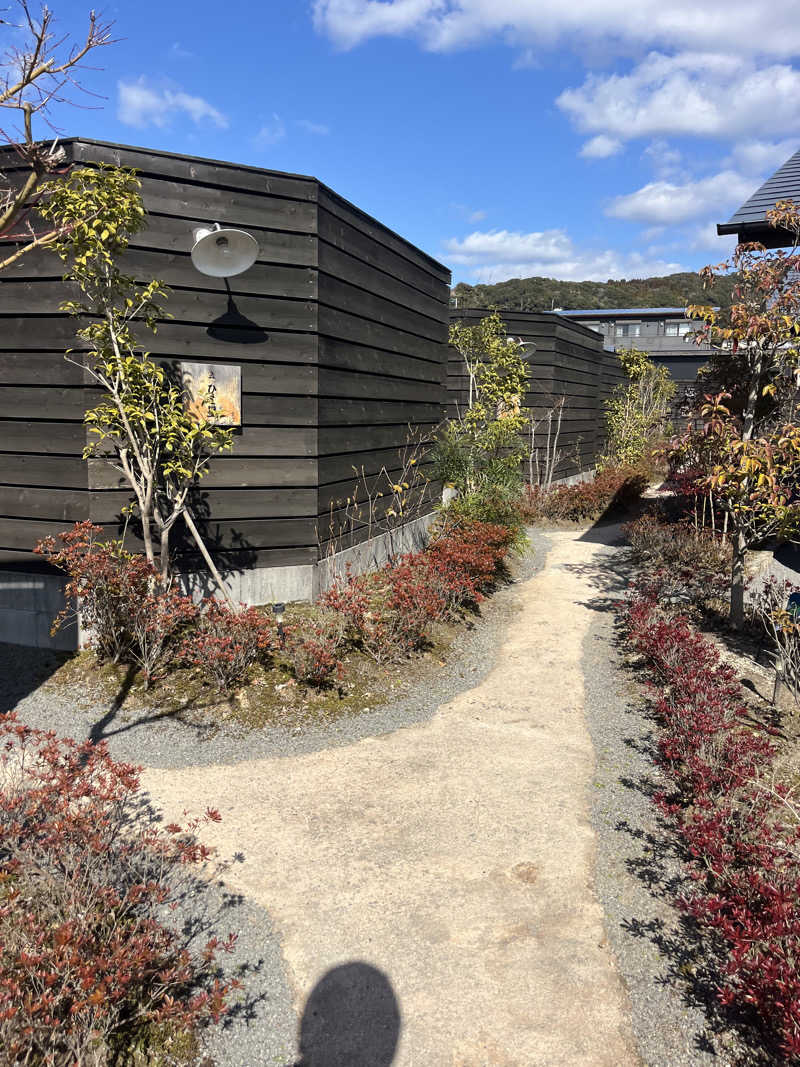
[545, 294]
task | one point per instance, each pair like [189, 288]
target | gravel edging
[262, 1029]
[637, 867]
[169, 743]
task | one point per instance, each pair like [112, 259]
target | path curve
[455, 856]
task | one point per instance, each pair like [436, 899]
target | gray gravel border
[143, 738]
[638, 868]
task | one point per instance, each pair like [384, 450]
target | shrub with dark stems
[694, 563]
[612, 489]
[739, 822]
[225, 644]
[314, 649]
[89, 972]
[129, 614]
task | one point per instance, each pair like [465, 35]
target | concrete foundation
[30, 602]
[28, 605]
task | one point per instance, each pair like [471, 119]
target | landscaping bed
[724, 774]
[163, 727]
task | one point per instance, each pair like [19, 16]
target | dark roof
[600, 313]
[749, 223]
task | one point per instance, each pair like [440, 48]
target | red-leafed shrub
[469, 557]
[694, 564]
[89, 973]
[414, 599]
[157, 623]
[381, 617]
[389, 612]
[225, 644]
[314, 650]
[612, 489]
[739, 823]
[104, 580]
[129, 615]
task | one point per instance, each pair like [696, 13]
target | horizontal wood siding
[382, 359]
[567, 362]
[258, 499]
[340, 330]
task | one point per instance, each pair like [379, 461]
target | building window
[678, 329]
[628, 329]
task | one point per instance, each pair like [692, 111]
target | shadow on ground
[655, 855]
[351, 1017]
[23, 670]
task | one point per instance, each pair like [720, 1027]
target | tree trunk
[753, 393]
[147, 537]
[737, 581]
[198, 540]
[165, 553]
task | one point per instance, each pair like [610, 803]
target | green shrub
[495, 505]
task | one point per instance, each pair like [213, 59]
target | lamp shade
[222, 253]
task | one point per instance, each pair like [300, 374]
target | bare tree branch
[33, 76]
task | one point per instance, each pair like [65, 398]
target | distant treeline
[544, 294]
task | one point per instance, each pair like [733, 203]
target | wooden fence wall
[567, 361]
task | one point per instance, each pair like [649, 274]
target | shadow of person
[351, 1019]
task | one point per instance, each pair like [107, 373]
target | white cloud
[316, 128]
[704, 238]
[496, 255]
[733, 25]
[470, 214]
[665, 159]
[141, 105]
[668, 203]
[757, 157]
[695, 94]
[601, 147]
[271, 132]
[177, 51]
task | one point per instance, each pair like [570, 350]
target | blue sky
[594, 139]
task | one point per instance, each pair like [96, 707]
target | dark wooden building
[340, 331]
[566, 359]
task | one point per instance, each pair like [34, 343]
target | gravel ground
[638, 867]
[142, 738]
[261, 1031]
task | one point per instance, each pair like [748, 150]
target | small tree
[754, 344]
[756, 355]
[483, 447]
[39, 72]
[636, 413]
[142, 426]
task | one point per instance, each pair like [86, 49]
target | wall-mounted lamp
[221, 252]
[528, 347]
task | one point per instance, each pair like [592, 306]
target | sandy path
[454, 856]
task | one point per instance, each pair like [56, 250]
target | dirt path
[454, 856]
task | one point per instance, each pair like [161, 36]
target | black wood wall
[340, 329]
[568, 361]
